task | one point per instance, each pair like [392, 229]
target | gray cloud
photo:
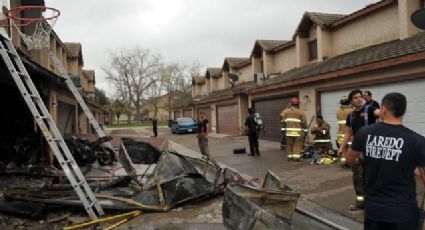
[183, 30]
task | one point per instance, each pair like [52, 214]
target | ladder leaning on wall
[48, 126]
[79, 98]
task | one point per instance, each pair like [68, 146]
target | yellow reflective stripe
[360, 198]
[289, 155]
[293, 120]
[342, 122]
[349, 143]
[296, 156]
[291, 134]
[341, 135]
[322, 141]
[283, 129]
[343, 160]
[293, 129]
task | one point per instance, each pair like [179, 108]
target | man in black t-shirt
[391, 153]
[367, 95]
[251, 126]
[203, 134]
[362, 115]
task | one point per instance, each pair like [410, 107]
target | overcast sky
[183, 31]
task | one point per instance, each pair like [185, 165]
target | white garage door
[413, 90]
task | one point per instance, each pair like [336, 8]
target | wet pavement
[327, 185]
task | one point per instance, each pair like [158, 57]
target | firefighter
[322, 138]
[295, 125]
[282, 128]
[341, 116]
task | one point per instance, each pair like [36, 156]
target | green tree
[101, 97]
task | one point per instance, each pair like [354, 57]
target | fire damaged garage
[20, 140]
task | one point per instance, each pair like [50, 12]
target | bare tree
[131, 72]
[175, 80]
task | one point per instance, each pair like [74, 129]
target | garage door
[413, 90]
[270, 114]
[227, 119]
[177, 114]
[187, 113]
[207, 112]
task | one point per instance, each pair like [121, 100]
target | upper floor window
[312, 50]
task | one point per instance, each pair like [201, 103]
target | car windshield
[185, 121]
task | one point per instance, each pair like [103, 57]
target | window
[312, 50]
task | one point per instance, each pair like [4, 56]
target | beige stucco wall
[213, 84]
[366, 31]
[405, 9]
[224, 81]
[245, 74]
[301, 51]
[268, 62]
[73, 66]
[256, 65]
[285, 60]
[243, 110]
[324, 44]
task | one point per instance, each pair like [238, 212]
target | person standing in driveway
[391, 152]
[361, 116]
[251, 126]
[155, 126]
[203, 134]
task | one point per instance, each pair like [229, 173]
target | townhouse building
[60, 102]
[376, 48]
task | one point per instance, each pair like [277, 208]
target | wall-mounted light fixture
[306, 98]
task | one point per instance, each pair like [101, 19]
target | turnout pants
[359, 183]
[294, 146]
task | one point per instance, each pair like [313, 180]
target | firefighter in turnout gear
[282, 128]
[322, 138]
[295, 125]
[341, 116]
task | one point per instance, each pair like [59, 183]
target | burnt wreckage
[144, 178]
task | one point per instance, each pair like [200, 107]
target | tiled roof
[269, 45]
[324, 19]
[371, 54]
[236, 61]
[90, 74]
[73, 48]
[214, 71]
[199, 80]
[227, 92]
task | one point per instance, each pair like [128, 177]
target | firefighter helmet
[344, 100]
[295, 101]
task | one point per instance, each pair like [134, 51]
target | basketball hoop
[36, 34]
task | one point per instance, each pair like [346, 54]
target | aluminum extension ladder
[80, 100]
[44, 121]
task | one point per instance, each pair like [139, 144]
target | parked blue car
[184, 125]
